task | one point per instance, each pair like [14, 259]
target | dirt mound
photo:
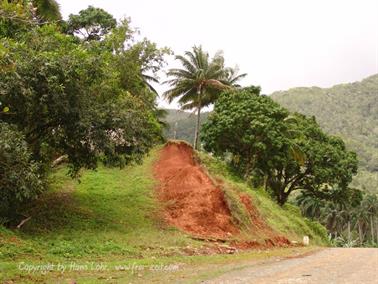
[193, 202]
[196, 205]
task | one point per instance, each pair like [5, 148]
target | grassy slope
[112, 217]
[286, 220]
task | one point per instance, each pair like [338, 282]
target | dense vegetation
[349, 111]
[283, 152]
[84, 98]
[288, 153]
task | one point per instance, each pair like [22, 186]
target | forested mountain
[349, 111]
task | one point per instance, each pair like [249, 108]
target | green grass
[112, 216]
[286, 220]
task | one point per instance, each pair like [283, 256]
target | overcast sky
[280, 44]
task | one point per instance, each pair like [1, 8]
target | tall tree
[91, 23]
[196, 82]
[256, 131]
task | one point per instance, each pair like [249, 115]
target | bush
[20, 177]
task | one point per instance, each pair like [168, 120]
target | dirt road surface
[329, 266]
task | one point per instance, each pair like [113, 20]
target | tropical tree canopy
[88, 101]
[260, 137]
[91, 23]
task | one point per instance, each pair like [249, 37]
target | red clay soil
[193, 202]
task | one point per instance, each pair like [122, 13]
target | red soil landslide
[193, 202]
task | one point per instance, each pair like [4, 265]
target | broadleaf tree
[68, 97]
[256, 132]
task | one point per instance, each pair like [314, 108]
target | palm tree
[370, 207]
[198, 83]
[47, 10]
[361, 219]
[311, 206]
[333, 218]
[232, 77]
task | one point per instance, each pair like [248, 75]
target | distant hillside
[349, 111]
[183, 123]
[346, 110]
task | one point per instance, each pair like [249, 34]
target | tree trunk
[248, 168]
[265, 182]
[198, 126]
[349, 236]
[372, 228]
[360, 233]
[282, 197]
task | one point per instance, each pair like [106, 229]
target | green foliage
[245, 124]
[91, 24]
[199, 82]
[69, 100]
[111, 213]
[15, 18]
[350, 219]
[89, 100]
[265, 143]
[20, 178]
[349, 111]
[238, 210]
[47, 10]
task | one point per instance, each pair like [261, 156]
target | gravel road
[329, 266]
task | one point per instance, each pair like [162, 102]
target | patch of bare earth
[194, 204]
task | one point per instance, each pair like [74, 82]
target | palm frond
[187, 64]
[48, 10]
